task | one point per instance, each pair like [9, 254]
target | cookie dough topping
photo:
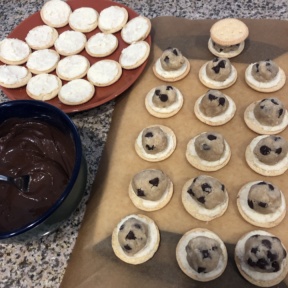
[219, 69]
[264, 71]
[172, 59]
[164, 96]
[225, 49]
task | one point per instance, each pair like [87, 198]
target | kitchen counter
[42, 263]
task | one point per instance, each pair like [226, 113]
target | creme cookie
[261, 204]
[201, 255]
[164, 101]
[135, 239]
[266, 116]
[13, 76]
[205, 198]
[155, 143]
[261, 258]
[214, 108]
[150, 190]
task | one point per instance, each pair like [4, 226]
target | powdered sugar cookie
[13, 76]
[84, 19]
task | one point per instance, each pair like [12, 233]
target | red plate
[102, 94]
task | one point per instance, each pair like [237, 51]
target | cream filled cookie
[201, 255]
[155, 143]
[13, 76]
[43, 86]
[42, 61]
[104, 72]
[112, 19]
[208, 151]
[171, 66]
[267, 155]
[84, 19]
[214, 108]
[218, 73]
[55, 13]
[72, 67]
[76, 92]
[266, 116]
[261, 258]
[261, 203]
[101, 44]
[150, 189]
[205, 197]
[164, 101]
[41, 37]
[134, 55]
[14, 51]
[135, 239]
[265, 76]
[136, 29]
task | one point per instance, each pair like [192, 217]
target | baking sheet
[93, 263]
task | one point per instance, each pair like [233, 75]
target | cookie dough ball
[264, 71]
[154, 140]
[172, 59]
[225, 49]
[164, 96]
[219, 69]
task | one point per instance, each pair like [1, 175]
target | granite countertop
[42, 263]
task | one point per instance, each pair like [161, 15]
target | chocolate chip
[250, 204]
[154, 182]
[127, 247]
[212, 97]
[190, 192]
[262, 263]
[254, 250]
[222, 101]
[223, 187]
[266, 243]
[272, 257]
[150, 147]
[271, 187]
[274, 102]
[262, 204]
[130, 235]
[149, 134]
[257, 67]
[216, 69]
[138, 226]
[206, 147]
[175, 52]
[280, 112]
[221, 64]
[163, 97]
[262, 183]
[215, 59]
[206, 188]
[205, 254]
[121, 227]
[157, 92]
[211, 137]
[201, 269]
[214, 248]
[262, 106]
[265, 150]
[166, 59]
[276, 266]
[221, 50]
[268, 63]
[195, 179]
[250, 262]
[140, 193]
[278, 150]
[201, 199]
[277, 138]
[169, 87]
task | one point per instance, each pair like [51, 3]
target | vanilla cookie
[164, 101]
[104, 72]
[14, 51]
[261, 258]
[214, 108]
[150, 190]
[55, 13]
[266, 116]
[261, 204]
[155, 143]
[76, 92]
[265, 76]
[201, 255]
[70, 42]
[42, 61]
[134, 55]
[135, 239]
[84, 19]
[41, 37]
[101, 44]
[13, 76]
[136, 29]
[43, 87]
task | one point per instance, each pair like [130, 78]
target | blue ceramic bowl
[72, 195]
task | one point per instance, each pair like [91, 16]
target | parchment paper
[93, 263]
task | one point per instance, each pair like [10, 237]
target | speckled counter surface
[42, 263]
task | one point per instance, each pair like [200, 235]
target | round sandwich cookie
[55, 13]
[214, 108]
[134, 55]
[84, 19]
[155, 143]
[261, 203]
[227, 37]
[76, 92]
[205, 197]
[261, 258]
[208, 151]
[14, 51]
[72, 67]
[172, 66]
[42, 61]
[150, 190]
[41, 37]
[101, 44]
[164, 101]
[14, 76]
[112, 19]
[218, 73]
[104, 72]
[266, 116]
[265, 76]
[267, 155]
[43, 86]
[201, 255]
[135, 239]
[136, 29]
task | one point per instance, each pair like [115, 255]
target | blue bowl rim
[75, 172]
